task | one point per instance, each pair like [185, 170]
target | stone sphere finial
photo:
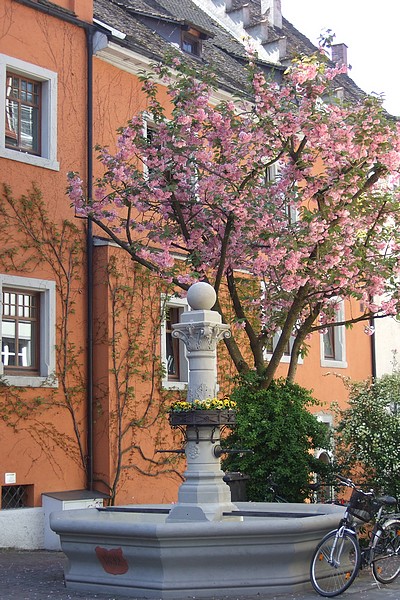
[201, 296]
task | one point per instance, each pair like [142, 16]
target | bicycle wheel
[333, 571]
[386, 561]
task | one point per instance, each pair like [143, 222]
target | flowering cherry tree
[285, 200]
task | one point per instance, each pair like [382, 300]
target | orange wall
[59, 47]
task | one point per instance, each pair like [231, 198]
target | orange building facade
[84, 333]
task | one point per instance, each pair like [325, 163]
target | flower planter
[202, 417]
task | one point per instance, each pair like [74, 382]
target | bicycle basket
[361, 506]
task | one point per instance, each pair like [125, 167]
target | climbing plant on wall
[130, 332]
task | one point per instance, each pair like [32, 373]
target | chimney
[339, 54]
[273, 11]
[241, 14]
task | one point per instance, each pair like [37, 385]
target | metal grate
[13, 496]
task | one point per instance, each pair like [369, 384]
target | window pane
[25, 344]
[171, 363]
[19, 330]
[29, 127]
[8, 343]
[8, 329]
[12, 118]
[329, 343]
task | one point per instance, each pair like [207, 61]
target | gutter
[89, 263]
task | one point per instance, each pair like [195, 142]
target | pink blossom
[281, 193]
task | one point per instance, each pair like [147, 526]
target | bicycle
[338, 557]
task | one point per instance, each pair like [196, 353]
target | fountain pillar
[203, 496]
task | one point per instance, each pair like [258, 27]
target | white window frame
[339, 331]
[48, 79]
[47, 331]
[148, 123]
[272, 173]
[327, 419]
[166, 383]
[285, 357]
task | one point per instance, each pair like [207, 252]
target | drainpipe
[373, 350]
[89, 263]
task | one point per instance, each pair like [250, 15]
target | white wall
[22, 528]
[387, 340]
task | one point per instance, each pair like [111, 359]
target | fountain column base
[204, 495]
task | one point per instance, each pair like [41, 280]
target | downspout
[373, 351]
[89, 263]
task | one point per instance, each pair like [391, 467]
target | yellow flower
[207, 404]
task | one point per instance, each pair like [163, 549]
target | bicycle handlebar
[346, 481]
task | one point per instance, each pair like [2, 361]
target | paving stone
[39, 575]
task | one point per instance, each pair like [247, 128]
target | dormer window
[191, 41]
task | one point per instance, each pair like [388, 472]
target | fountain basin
[259, 547]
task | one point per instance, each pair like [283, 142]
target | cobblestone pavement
[38, 575]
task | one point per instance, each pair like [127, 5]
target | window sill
[334, 364]
[174, 385]
[284, 360]
[29, 381]
[30, 159]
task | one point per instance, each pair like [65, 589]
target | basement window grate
[13, 496]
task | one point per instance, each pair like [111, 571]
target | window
[287, 352]
[272, 174]
[173, 352]
[172, 344]
[15, 496]
[149, 130]
[20, 327]
[191, 42]
[28, 120]
[325, 493]
[23, 108]
[27, 331]
[333, 343]
[273, 343]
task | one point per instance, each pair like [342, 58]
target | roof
[138, 19]
[297, 44]
[141, 20]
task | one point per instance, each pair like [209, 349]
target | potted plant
[211, 411]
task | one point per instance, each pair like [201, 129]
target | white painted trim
[135, 63]
[114, 32]
[47, 365]
[340, 361]
[48, 159]
[184, 364]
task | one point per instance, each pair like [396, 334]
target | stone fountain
[204, 545]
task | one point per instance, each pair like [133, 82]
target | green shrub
[276, 425]
[368, 433]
